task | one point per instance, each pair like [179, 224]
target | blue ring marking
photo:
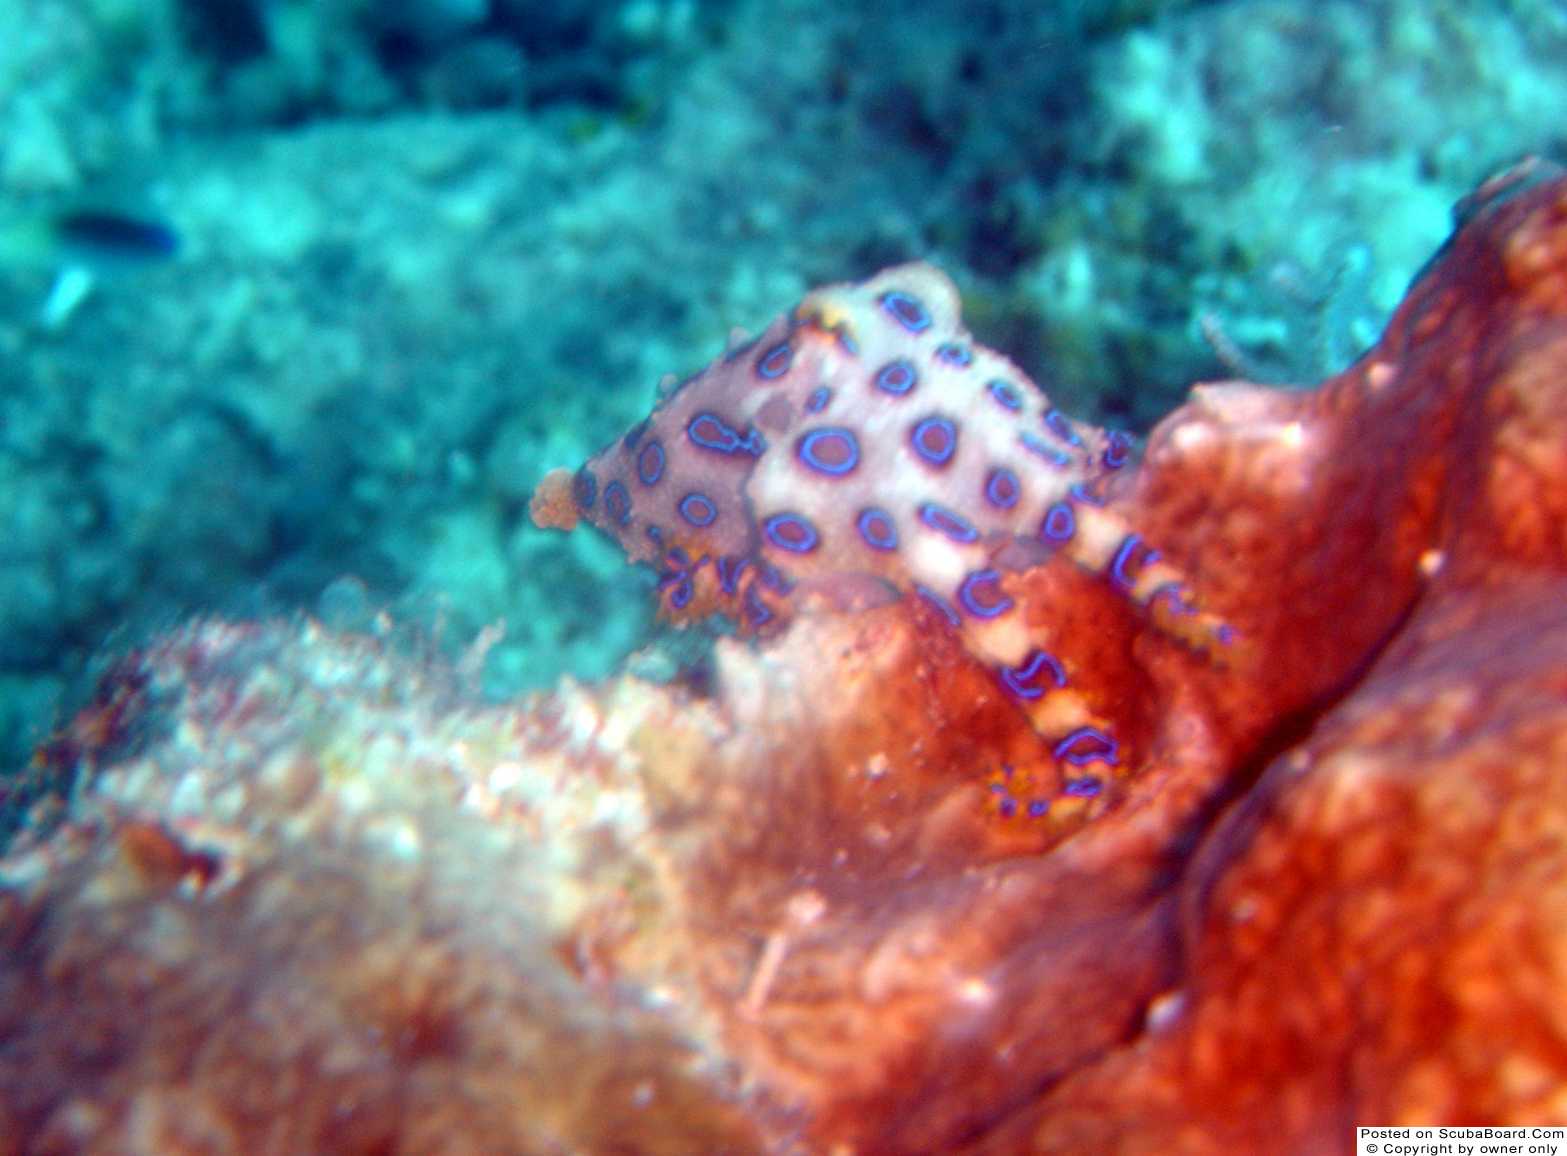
[617, 502]
[1059, 523]
[655, 535]
[1081, 493]
[1123, 557]
[1086, 745]
[791, 532]
[939, 603]
[1002, 489]
[1056, 423]
[1005, 393]
[679, 587]
[1225, 634]
[955, 353]
[729, 570]
[1007, 807]
[949, 522]
[977, 588]
[846, 340]
[1040, 448]
[877, 529]
[756, 611]
[810, 447]
[650, 463]
[946, 433]
[1038, 808]
[906, 310]
[818, 400]
[1175, 594]
[897, 377]
[711, 432]
[698, 509]
[775, 362]
[584, 489]
[634, 434]
[1085, 788]
[1118, 447]
[1022, 680]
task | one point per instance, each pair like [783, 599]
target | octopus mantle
[309, 897]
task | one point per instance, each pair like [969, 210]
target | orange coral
[1327, 886]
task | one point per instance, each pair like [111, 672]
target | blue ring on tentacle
[1118, 447]
[1021, 680]
[955, 353]
[775, 362]
[617, 503]
[756, 611]
[818, 399]
[897, 377]
[650, 463]
[698, 509]
[1057, 423]
[809, 447]
[1123, 556]
[1040, 448]
[1005, 393]
[906, 309]
[877, 529]
[1002, 489]
[1059, 523]
[944, 428]
[779, 527]
[1175, 594]
[1086, 745]
[729, 570]
[948, 522]
[679, 588]
[584, 489]
[1038, 808]
[978, 586]
[1084, 788]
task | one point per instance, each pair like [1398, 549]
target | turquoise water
[429, 250]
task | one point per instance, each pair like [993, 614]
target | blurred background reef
[421, 251]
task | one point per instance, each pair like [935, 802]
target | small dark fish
[82, 246]
[96, 233]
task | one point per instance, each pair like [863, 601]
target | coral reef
[309, 896]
